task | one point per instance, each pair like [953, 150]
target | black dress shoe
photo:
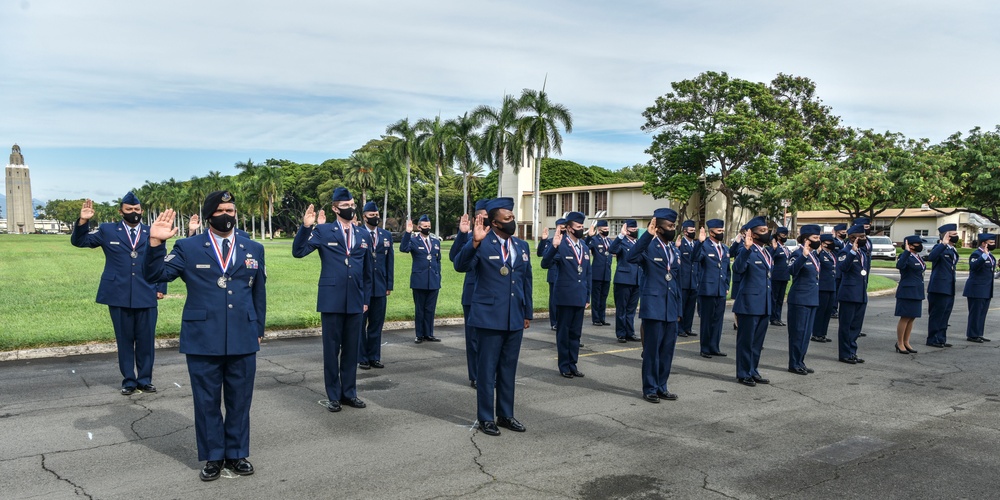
[432, 339]
[911, 350]
[211, 470]
[862, 334]
[834, 316]
[510, 423]
[748, 381]
[577, 373]
[720, 354]
[633, 338]
[418, 340]
[775, 323]
[939, 346]
[735, 326]
[489, 428]
[622, 340]
[376, 364]
[554, 328]
[669, 396]
[566, 374]
[598, 323]
[858, 360]
[947, 344]
[978, 340]
[827, 339]
[240, 467]
[816, 339]
[128, 391]
[147, 388]
[652, 398]
[364, 366]
[760, 380]
[810, 370]
[353, 402]
[986, 339]
[333, 406]
[708, 356]
[691, 334]
[605, 323]
[849, 361]
[473, 384]
[798, 371]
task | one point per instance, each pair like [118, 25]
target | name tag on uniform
[494, 257]
[657, 259]
[333, 244]
[203, 266]
[115, 242]
[569, 257]
[757, 262]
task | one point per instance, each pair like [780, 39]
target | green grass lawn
[47, 291]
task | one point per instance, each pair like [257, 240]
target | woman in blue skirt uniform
[910, 292]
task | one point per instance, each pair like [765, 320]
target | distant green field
[47, 291]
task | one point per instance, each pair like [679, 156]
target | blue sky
[103, 95]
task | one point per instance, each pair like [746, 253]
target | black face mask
[689, 234]
[991, 247]
[954, 239]
[373, 221]
[842, 236]
[762, 239]
[132, 217]
[346, 213]
[633, 234]
[668, 234]
[782, 239]
[578, 233]
[830, 247]
[718, 236]
[508, 228]
[861, 240]
[918, 248]
[868, 231]
[604, 232]
[425, 231]
[223, 223]
[814, 244]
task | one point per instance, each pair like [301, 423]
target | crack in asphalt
[479, 454]
[136, 402]
[77, 489]
[85, 381]
[704, 485]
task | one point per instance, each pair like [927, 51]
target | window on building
[920, 232]
[567, 202]
[583, 203]
[550, 205]
[601, 201]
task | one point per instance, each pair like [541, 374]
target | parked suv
[882, 248]
[929, 242]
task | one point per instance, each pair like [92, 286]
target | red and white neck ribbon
[223, 262]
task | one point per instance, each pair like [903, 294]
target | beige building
[45, 226]
[898, 224]
[20, 214]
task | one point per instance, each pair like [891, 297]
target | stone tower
[20, 214]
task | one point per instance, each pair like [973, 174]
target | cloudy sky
[103, 95]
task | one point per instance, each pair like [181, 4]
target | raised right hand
[651, 228]
[479, 231]
[557, 239]
[87, 211]
[310, 216]
[194, 224]
[409, 226]
[463, 223]
[748, 240]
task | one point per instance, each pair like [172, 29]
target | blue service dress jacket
[943, 258]
[469, 284]
[572, 287]
[689, 270]
[852, 267]
[425, 271]
[780, 272]
[626, 273]
[660, 295]
[345, 277]
[753, 266]
[384, 261]
[982, 266]
[553, 272]
[712, 259]
[216, 321]
[499, 301]
[805, 271]
[600, 248]
[828, 271]
[122, 282]
[911, 276]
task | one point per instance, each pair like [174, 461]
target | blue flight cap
[496, 203]
[424, 218]
[782, 230]
[688, 223]
[575, 217]
[631, 223]
[602, 223]
[481, 204]
[826, 237]
[840, 227]
[342, 194]
[856, 229]
[809, 230]
[987, 236]
[560, 222]
[862, 221]
[666, 214]
[715, 224]
[913, 239]
[755, 222]
[129, 199]
[948, 227]
[370, 207]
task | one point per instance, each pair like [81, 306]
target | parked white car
[882, 248]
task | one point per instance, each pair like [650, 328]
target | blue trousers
[424, 305]
[135, 334]
[552, 306]
[689, 299]
[599, 300]
[568, 333]
[371, 340]
[497, 367]
[626, 302]
[939, 307]
[801, 321]
[777, 298]
[977, 317]
[827, 305]
[218, 381]
[659, 339]
[341, 337]
[713, 313]
[852, 316]
[471, 345]
[750, 334]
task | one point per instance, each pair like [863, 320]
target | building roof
[888, 214]
[597, 187]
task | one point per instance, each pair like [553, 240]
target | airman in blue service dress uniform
[941, 287]
[657, 254]
[345, 291]
[501, 311]
[827, 288]
[468, 287]
[553, 273]
[751, 303]
[867, 249]
[712, 257]
[572, 290]
[852, 267]
[910, 292]
[839, 240]
[979, 287]
[221, 328]
[803, 297]
[600, 278]
[689, 272]
[779, 274]
[130, 298]
[626, 280]
[383, 264]
[425, 276]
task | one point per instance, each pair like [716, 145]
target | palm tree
[463, 145]
[540, 128]
[433, 141]
[501, 141]
[388, 173]
[406, 150]
[268, 184]
[361, 173]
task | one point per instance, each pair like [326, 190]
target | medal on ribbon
[223, 262]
